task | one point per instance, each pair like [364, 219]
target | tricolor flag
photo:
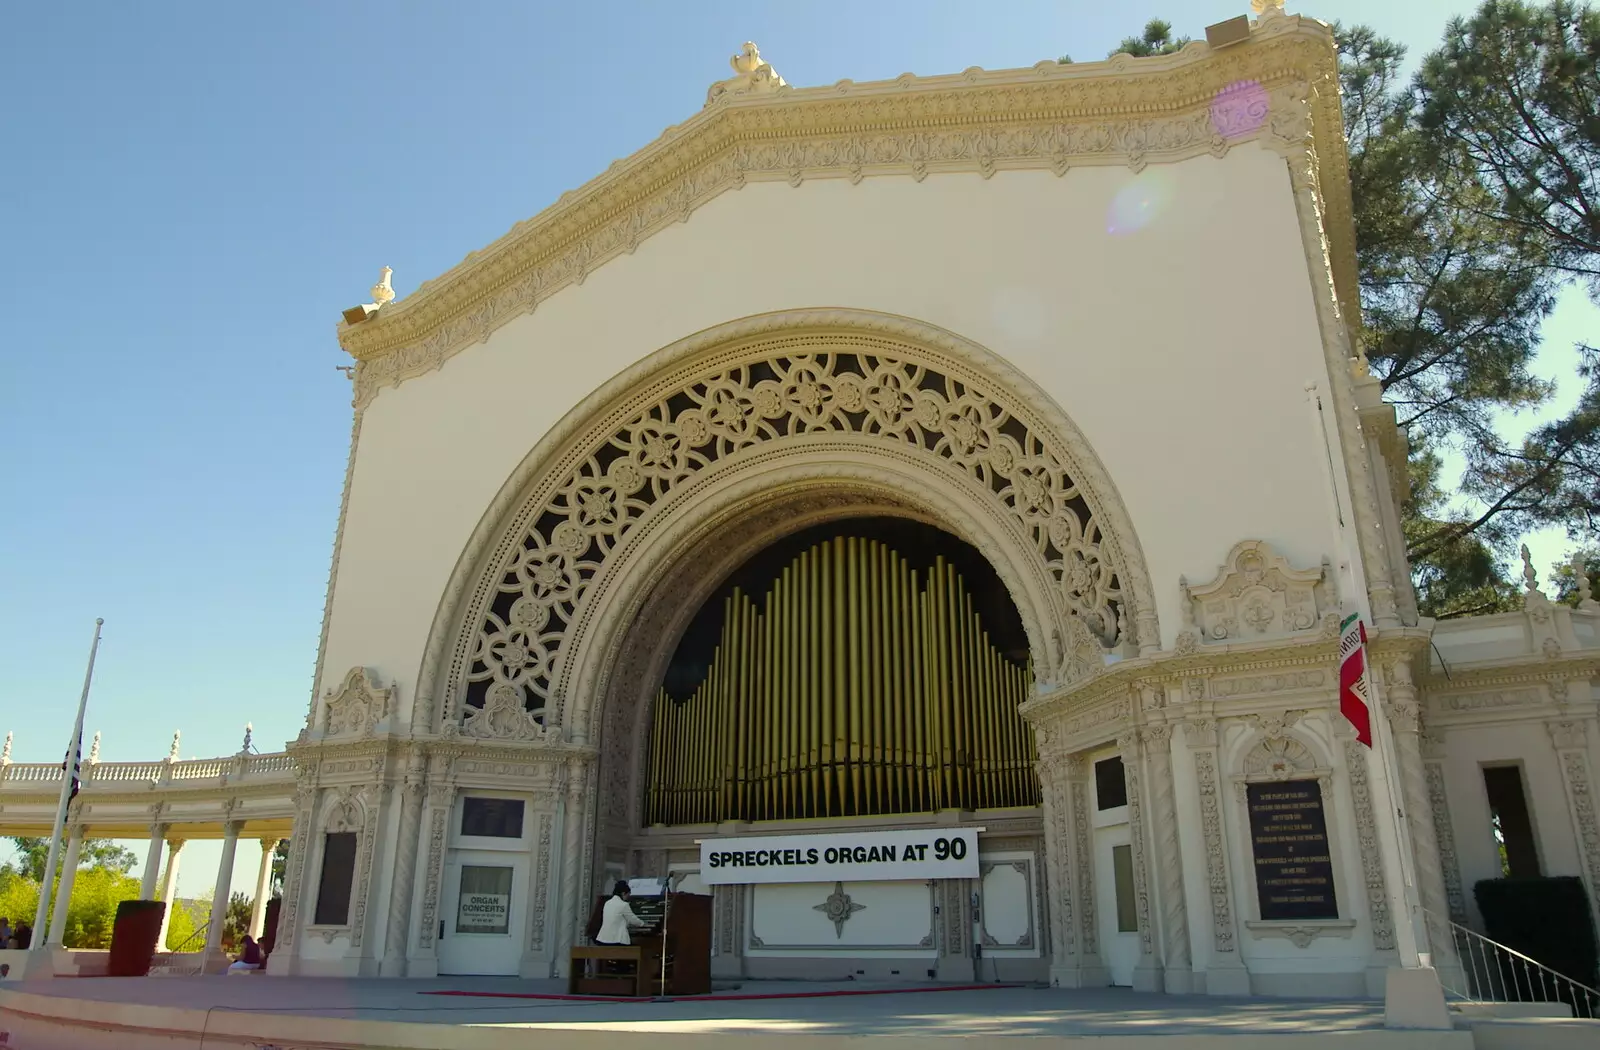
[1354, 702]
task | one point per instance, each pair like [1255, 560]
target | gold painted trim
[1121, 111]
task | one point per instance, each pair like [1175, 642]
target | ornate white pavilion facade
[984, 452]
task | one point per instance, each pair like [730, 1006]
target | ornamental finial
[94, 749]
[5, 753]
[752, 73]
[1262, 6]
[245, 747]
[1530, 579]
[383, 291]
[1580, 578]
[172, 753]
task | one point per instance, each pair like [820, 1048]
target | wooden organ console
[635, 970]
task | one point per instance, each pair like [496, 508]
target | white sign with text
[862, 856]
[483, 913]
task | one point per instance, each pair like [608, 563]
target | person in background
[22, 936]
[5, 932]
[249, 959]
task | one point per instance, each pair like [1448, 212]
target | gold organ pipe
[887, 697]
[853, 640]
[856, 685]
[769, 725]
[833, 737]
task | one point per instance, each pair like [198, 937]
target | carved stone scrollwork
[357, 706]
[1444, 833]
[1168, 855]
[1258, 595]
[1278, 758]
[1383, 936]
[1205, 763]
[1570, 740]
[527, 602]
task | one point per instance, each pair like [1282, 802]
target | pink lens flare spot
[1140, 202]
[1239, 110]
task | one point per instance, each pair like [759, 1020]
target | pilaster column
[152, 862]
[439, 798]
[1571, 743]
[1091, 971]
[1147, 971]
[1225, 973]
[572, 842]
[219, 896]
[300, 838]
[69, 871]
[169, 890]
[258, 909]
[1405, 718]
[405, 865]
[1057, 812]
[1171, 899]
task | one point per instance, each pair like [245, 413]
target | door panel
[482, 914]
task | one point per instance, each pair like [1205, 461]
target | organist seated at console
[618, 918]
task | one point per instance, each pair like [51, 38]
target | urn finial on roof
[752, 74]
[1263, 6]
[383, 291]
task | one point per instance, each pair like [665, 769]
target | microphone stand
[666, 913]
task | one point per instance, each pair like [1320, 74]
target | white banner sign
[863, 856]
[483, 913]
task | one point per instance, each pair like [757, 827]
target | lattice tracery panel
[510, 671]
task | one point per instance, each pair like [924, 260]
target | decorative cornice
[1278, 89]
[1285, 654]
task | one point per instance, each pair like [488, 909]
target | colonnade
[156, 881]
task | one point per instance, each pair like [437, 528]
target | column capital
[175, 845]
[158, 830]
[231, 829]
[1567, 735]
[271, 843]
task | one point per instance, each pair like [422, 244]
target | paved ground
[992, 1012]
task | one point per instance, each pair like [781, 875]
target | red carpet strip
[723, 998]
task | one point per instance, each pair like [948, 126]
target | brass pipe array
[863, 688]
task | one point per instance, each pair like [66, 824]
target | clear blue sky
[192, 192]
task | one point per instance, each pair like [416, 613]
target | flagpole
[69, 770]
[1412, 936]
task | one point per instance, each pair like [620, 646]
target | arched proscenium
[758, 384]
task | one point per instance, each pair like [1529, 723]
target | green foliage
[280, 864]
[186, 920]
[94, 853]
[19, 897]
[96, 892]
[1157, 39]
[1453, 294]
[1511, 101]
[237, 921]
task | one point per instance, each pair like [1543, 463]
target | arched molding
[884, 390]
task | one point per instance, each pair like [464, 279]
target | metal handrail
[200, 931]
[1495, 973]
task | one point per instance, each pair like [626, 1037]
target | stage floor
[303, 1012]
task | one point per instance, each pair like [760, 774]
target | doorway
[1113, 871]
[486, 891]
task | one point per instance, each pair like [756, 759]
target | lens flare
[1239, 110]
[1140, 202]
